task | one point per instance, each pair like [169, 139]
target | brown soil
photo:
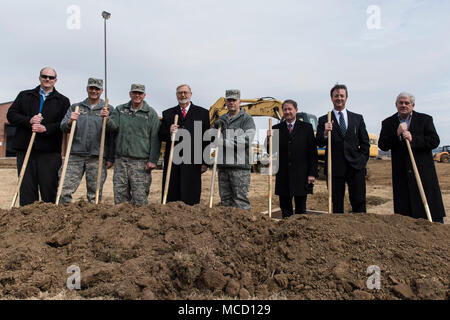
[181, 252]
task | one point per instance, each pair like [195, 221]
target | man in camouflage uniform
[238, 130]
[137, 147]
[86, 144]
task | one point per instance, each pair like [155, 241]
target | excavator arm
[269, 107]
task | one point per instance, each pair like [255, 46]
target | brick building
[6, 132]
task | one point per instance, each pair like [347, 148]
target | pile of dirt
[182, 252]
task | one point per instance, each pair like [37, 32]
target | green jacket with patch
[137, 132]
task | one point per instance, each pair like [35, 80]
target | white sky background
[284, 49]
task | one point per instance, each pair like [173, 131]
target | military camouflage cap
[233, 94]
[137, 87]
[98, 83]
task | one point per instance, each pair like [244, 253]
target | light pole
[106, 16]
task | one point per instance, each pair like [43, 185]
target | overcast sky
[284, 49]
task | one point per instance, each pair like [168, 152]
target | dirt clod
[403, 291]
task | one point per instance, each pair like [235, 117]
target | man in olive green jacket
[137, 147]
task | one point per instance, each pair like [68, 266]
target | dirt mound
[182, 252]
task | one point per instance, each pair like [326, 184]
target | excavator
[443, 155]
[271, 107]
[261, 107]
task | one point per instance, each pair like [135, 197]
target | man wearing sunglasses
[137, 147]
[86, 144]
[39, 110]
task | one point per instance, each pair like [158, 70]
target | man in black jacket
[349, 151]
[297, 160]
[419, 130]
[39, 110]
[188, 165]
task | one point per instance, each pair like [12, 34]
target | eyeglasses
[183, 92]
[44, 76]
[137, 93]
[94, 88]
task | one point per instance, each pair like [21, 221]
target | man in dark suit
[297, 160]
[419, 130]
[349, 151]
[188, 165]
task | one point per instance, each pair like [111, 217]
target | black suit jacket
[297, 158]
[349, 150]
[185, 183]
[25, 107]
[407, 200]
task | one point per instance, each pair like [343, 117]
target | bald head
[47, 77]
[45, 70]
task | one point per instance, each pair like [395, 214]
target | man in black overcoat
[419, 130]
[297, 160]
[349, 151]
[188, 165]
[39, 110]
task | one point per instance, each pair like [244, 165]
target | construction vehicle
[261, 107]
[271, 107]
[443, 155]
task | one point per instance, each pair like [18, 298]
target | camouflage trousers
[76, 168]
[131, 181]
[233, 188]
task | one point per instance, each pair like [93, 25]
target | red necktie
[290, 128]
[184, 112]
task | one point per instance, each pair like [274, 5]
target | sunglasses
[44, 76]
[94, 89]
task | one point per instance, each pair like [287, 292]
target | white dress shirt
[344, 113]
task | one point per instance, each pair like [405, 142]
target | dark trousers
[356, 181]
[41, 175]
[175, 192]
[286, 205]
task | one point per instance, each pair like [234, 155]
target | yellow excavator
[443, 155]
[271, 107]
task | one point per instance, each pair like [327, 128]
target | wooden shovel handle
[270, 170]
[213, 177]
[329, 173]
[24, 167]
[419, 182]
[169, 164]
[66, 158]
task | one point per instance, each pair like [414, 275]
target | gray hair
[406, 95]
[184, 85]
